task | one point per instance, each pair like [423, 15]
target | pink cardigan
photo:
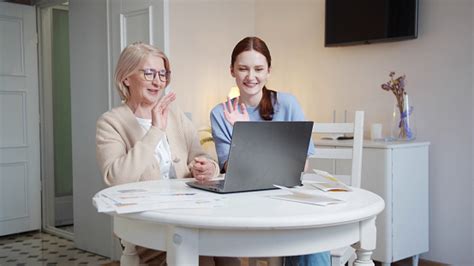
[125, 152]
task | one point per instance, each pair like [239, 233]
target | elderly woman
[148, 137]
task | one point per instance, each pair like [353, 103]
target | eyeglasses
[150, 74]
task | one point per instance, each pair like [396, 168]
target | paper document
[138, 200]
[332, 183]
[306, 196]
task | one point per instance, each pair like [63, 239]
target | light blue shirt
[286, 108]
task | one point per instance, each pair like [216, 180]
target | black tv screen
[351, 22]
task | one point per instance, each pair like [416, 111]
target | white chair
[343, 255]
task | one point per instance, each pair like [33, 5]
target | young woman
[251, 67]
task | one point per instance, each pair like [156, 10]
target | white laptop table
[251, 224]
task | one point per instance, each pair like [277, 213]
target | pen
[178, 194]
[332, 178]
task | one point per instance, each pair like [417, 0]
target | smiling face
[251, 73]
[142, 91]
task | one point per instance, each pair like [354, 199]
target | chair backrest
[354, 153]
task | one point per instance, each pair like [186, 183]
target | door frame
[44, 22]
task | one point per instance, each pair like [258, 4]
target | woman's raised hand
[159, 113]
[232, 113]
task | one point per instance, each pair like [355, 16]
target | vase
[403, 120]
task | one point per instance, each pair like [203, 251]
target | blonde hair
[129, 61]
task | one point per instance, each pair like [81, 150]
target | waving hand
[232, 113]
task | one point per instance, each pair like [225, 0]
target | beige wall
[202, 35]
[438, 66]
[439, 71]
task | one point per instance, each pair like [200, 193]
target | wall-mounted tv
[350, 22]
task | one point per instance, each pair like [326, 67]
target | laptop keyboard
[218, 184]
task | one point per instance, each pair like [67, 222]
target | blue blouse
[286, 108]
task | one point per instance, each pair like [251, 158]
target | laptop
[262, 154]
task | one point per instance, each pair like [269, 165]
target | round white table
[251, 224]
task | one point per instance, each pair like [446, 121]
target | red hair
[265, 106]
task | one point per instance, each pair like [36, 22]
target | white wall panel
[13, 189]
[13, 119]
[11, 51]
[135, 26]
[89, 82]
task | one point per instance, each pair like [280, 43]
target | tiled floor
[37, 248]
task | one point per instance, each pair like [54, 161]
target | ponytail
[266, 108]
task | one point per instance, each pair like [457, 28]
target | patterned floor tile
[37, 248]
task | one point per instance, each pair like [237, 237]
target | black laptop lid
[267, 153]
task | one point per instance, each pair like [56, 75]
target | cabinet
[398, 172]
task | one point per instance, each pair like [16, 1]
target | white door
[93, 59]
[136, 20]
[20, 194]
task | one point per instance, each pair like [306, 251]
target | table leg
[363, 258]
[182, 246]
[129, 255]
[366, 245]
[415, 259]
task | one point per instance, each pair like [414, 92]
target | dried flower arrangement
[397, 87]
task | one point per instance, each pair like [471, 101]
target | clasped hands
[202, 169]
